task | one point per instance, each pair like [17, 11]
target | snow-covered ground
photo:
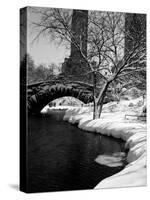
[113, 123]
[47, 108]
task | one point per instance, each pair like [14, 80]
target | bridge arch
[37, 101]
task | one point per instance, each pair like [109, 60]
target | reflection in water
[62, 157]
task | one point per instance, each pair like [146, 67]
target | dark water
[61, 156]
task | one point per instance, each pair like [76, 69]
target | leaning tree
[110, 60]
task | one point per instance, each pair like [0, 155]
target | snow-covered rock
[114, 124]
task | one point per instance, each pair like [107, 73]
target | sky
[43, 51]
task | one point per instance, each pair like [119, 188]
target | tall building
[75, 64]
[135, 30]
[135, 24]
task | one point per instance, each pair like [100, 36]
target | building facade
[75, 64]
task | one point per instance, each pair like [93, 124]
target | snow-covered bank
[114, 124]
[46, 109]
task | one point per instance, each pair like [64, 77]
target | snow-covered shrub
[133, 93]
[140, 103]
[131, 105]
[124, 97]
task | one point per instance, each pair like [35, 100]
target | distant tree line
[41, 72]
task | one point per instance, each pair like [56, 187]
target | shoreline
[132, 132]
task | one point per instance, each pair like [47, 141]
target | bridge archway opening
[66, 101]
[63, 103]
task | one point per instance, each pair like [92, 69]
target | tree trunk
[96, 111]
[101, 105]
[94, 96]
[98, 102]
[101, 98]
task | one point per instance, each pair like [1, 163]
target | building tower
[75, 64]
[135, 31]
[135, 24]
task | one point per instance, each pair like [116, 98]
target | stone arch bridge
[41, 93]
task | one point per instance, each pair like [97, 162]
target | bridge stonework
[39, 95]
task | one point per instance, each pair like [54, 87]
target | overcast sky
[43, 51]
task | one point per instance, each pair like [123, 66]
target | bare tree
[109, 58]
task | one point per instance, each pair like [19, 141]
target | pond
[63, 157]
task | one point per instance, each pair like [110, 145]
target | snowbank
[47, 108]
[115, 124]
